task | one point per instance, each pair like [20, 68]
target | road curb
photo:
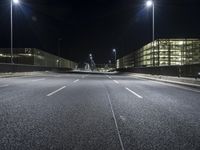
[168, 81]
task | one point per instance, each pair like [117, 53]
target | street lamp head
[16, 1]
[114, 50]
[149, 3]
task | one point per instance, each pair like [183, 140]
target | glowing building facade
[164, 52]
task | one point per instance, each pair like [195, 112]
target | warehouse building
[36, 57]
[163, 52]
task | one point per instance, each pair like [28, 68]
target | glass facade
[165, 52]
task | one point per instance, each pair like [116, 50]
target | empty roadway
[97, 111]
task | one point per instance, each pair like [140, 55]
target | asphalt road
[97, 112]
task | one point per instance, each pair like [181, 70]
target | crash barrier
[180, 71]
[4, 68]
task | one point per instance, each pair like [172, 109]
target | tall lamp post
[150, 3]
[59, 51]
[11, 31]
[115, 53]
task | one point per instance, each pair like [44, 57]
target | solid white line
[177, 86]
[2, 86]
[134, 93]
[168, 83]
[116, 81]
[76, 80]
[115, 120]
[38, 80]
[52, 93]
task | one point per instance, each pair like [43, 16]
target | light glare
[149, 3]
[16, 1]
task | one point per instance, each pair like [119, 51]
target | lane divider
[116, 81]
[38, 80]
[2, 86]
[134, 93]
[115, 121]
[76, 80]
[109, 77]
[177, 86]
[56, 91]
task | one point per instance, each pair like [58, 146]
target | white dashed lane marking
[116, 81]
[56, 91]
[134, 93]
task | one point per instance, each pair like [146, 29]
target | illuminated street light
[115, 52]
[11, 30]
[149, 3]
[16, 1]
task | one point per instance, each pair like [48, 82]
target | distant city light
[149, 3]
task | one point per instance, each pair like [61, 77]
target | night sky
[96, 26]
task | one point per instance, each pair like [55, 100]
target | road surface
[97, 112]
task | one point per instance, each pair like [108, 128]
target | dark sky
[96, 26]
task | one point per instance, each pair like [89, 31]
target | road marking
[38, 80]
[85, 76]
[52, 93]
[109, 77]
[168, 83]
[122, 118]
[2, 86]
[177, 86]
[134, 93]
[115, 120]
[76, 80]
[116, 81]
[57, 76]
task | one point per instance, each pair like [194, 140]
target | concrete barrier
[178, 71]
[28, 68]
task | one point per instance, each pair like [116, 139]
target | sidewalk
[169, 79]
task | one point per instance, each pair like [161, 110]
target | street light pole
[11, 32]
[153, 22]
[11, 28]
[59, 51]
[153, 30]
[115, 52]
[150, 3]
[59, 46]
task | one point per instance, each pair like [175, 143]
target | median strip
[134, 93]
[52, 93]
